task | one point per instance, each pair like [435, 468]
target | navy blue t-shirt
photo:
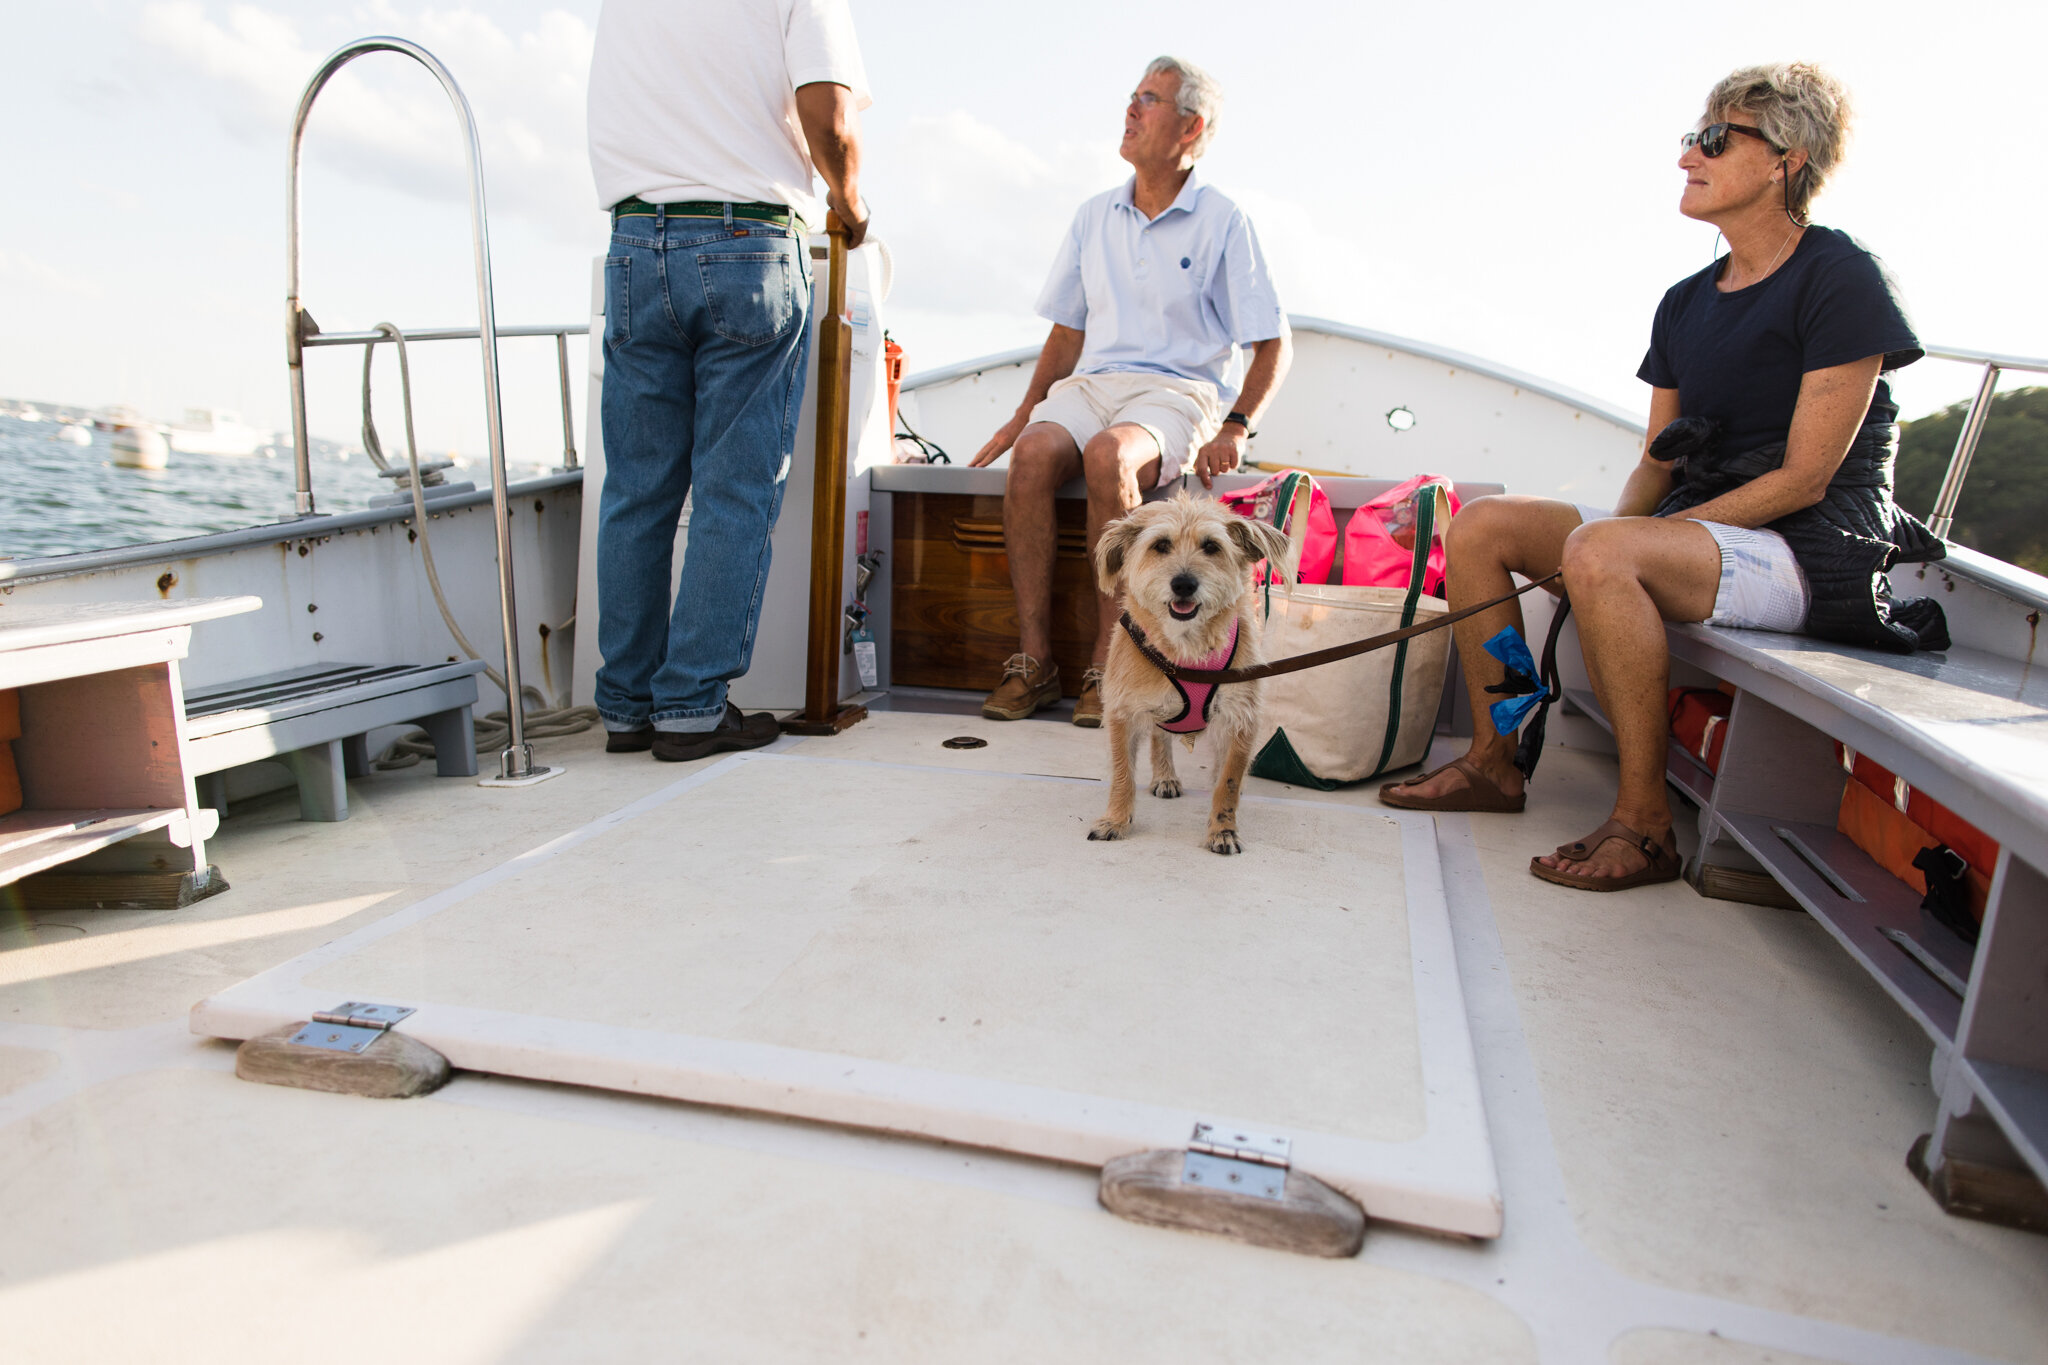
[1739, 357]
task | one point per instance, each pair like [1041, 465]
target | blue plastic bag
[1524, 692]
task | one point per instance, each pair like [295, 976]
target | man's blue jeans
[706, 331]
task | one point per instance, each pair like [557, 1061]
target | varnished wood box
[953, 614]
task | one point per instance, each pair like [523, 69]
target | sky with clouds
[1494, 177]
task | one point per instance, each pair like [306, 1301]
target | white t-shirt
[696, 99]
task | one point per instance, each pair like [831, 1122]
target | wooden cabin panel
[953, 614]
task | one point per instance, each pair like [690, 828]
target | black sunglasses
[1712, 140]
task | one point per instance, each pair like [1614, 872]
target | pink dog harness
[1195, 697]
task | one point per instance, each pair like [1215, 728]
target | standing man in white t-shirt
[707, 120]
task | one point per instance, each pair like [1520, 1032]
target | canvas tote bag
[1366, 715]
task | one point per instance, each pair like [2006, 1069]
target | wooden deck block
[1309, 1217]
[395, 1067]
[1988, 1194]
[172, 890]
[1737, 884]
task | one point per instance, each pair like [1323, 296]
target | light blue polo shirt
[1176, 295]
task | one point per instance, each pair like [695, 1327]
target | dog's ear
[1110, 551]
[1260, 540]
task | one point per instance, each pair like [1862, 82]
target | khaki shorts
[1181, 414]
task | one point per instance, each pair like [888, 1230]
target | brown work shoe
[1088, 706]
[1027, 687]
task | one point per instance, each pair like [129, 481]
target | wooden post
[822, 713]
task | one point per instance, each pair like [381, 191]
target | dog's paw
[1106, 829]
[1221, 841]
[1166, 788]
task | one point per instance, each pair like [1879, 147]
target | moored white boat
[138, 444]
[209, 431]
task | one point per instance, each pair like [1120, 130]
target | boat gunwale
[44, 567]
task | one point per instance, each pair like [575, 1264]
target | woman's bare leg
[1627, 576]
[1490, 540]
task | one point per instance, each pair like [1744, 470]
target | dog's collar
[1220, 659]
[1146, 648]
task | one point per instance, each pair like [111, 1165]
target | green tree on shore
[2003, 510]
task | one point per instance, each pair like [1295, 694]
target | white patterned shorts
[1762, 585]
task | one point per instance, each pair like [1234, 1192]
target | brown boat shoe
[1088, 706]
[1027, 688]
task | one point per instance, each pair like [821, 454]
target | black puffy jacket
[1845, 543]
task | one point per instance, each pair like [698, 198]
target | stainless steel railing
[561, 332]
[515, 763]
[1944, 514]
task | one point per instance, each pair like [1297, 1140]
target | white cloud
[18, 268]
[973, 215]
[383, 123]
[974, 218]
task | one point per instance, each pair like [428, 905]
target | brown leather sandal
[1661, 861]
[1481, 793]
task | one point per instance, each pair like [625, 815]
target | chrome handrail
[561, 332]
[535, 329]
[515, 763]
[1944, 514]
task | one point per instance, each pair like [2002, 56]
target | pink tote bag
[1272, 501]
[1379, 544]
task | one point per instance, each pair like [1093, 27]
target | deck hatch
[1032, 999]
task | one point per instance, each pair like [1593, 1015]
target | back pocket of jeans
[618, 302]
[751, 295]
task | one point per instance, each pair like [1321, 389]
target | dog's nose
[1184, 586]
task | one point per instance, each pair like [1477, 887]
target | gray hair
[1199, 94]
[1799, 106]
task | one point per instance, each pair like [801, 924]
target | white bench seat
[1969, 728]
[1966, 727]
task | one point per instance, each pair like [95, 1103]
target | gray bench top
[1967, 727]
[1344, 490]
[301, 691]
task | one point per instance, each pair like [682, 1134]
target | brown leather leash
[1318, 657]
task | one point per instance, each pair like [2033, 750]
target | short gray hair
[1799, 106]
[1199, 94]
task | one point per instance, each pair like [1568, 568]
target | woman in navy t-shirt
[1763, 497]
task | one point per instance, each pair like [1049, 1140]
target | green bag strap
[1427, 501]
[1294, 486]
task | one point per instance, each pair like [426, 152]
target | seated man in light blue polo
[1157, 286]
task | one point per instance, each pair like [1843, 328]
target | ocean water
[58, 498]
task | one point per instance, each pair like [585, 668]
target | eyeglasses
[1712, 140]
[1145, 99]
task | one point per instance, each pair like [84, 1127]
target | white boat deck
[1699, 1110]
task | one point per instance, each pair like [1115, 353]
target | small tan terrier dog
[1183, 569]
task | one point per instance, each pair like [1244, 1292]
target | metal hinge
[1241, 1163]
[350, 1026]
